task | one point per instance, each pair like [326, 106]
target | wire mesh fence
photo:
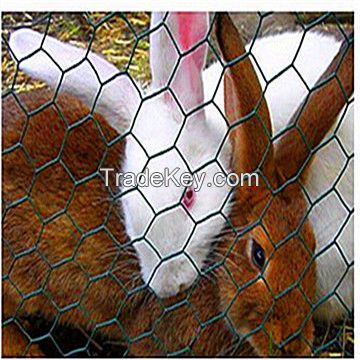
[85, 267]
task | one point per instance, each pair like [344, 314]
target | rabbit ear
[318, 113]
[244, 100]
[175, 33]
[77, 72]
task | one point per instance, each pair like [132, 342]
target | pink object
[189, 198]
[192, 28]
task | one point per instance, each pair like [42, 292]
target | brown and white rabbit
[282, 241]
[164, 264]
[287, 66]
[245, 308]
[77, 266]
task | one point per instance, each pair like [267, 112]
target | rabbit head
[267, 277]
[173, 226]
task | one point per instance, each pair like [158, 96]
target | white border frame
[223, 5]
[184, 5]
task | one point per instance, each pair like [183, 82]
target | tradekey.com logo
[184, 179]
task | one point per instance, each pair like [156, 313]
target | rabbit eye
[258, 255]
[189, 197]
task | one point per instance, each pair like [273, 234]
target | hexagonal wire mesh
[71, 278]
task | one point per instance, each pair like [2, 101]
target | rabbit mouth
[172, 276]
